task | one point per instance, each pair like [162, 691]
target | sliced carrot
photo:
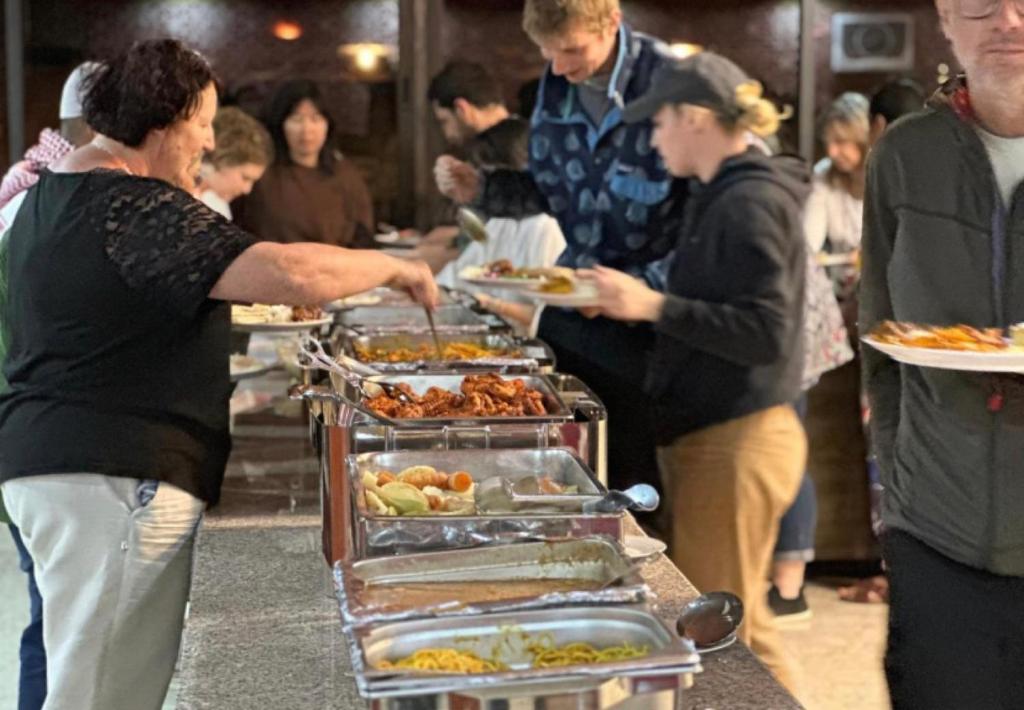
[460, 481]
[385, 477]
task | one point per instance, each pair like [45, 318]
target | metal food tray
[413, 319]
[600, 626]
[382, 296]
[557, 410]
[376, 535]
[589, 561]
[526, 356]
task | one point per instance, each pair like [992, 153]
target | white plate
[291, 327]
[1011, 360]
[367, 298]
[245, 366]
[584, 295]
[848, 259]
[475, 275]
[398, 240]
[639, 547]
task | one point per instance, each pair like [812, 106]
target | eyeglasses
[980, 9]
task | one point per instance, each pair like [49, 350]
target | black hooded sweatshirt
[729, 341]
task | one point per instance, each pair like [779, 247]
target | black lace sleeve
[168, 245]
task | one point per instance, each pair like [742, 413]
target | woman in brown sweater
[310, 193]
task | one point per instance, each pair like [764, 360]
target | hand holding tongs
[354, 374]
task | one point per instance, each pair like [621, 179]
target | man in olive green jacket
[943, 229]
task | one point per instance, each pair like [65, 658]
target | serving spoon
[711, 620]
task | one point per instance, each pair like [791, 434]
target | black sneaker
[788, 610]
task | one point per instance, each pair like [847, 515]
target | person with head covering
[52, 145]
[114, 423]
[728, 355]
[311, 193]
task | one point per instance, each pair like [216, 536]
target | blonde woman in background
[833, 218]
[728, 353]
[242, 153]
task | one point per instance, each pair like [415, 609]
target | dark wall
[237, 38]
[761, 35]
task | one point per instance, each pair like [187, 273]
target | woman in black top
[728, 354]
[114, 425]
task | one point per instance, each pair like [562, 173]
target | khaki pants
[114, 578]
[729, 485]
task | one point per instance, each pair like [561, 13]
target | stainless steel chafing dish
[508, 577]
[341, 427]
[413, 319]
[375, 535]
[506, 636]
[519, 355]
[384, 296]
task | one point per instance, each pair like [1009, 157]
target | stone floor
[839, 652]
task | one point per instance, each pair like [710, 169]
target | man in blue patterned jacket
[613, 198]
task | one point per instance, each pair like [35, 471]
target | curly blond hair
[547, 18]
[239, 139]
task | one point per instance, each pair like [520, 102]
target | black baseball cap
[703, 79]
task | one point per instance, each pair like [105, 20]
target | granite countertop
[264, 630]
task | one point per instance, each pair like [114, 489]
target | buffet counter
[264, 629]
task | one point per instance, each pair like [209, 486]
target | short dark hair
[897, 98]
[464, 80]
[280, 107]
[149, 86]
[504, 145]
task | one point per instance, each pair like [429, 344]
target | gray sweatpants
[114, 577]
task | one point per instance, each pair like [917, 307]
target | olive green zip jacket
[939, 248]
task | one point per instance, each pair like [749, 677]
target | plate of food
[954, 347]
[503, 274]
[567, 291]
[260, 318]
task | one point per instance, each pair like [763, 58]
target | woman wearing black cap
[728, 356]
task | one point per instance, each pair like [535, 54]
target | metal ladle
[711, 620]
[640, 497]
[471, 224]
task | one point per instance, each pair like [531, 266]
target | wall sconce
[368, 61]
[682, 50]
[287, 30]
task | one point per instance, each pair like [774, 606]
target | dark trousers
[32, 681]
[611, 358]
[956, 633]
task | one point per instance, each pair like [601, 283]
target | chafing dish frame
[598, 625]
[531, 355]
[376, 535]
[595, 559]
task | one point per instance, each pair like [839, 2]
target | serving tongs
[500, 493]
[353, 371]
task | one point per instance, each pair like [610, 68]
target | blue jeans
[796, 530]
[32, 683]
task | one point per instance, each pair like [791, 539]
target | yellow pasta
[545, 655]
[548, 656]
[443, 659]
